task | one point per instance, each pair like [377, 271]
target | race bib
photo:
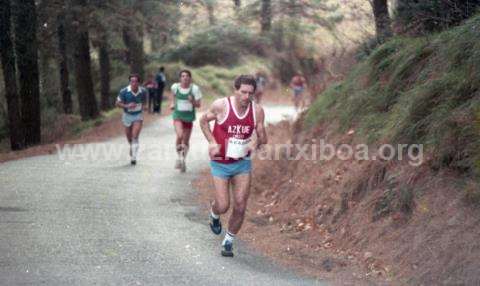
[237, 148]
[184, 105]
[137, 107]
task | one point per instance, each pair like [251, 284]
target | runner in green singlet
[186, 98]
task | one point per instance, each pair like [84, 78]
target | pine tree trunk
[266, 16]
[26, 48]
[155, 42]
[279, 34]
[104, 59]
[62, 64]
[382, 19]
[211, 12]
[83, 74]
[135, 53]
[237, 6]
[48, 83]
[293, 7]
[15, 125]
[132, 34]
[47, 10]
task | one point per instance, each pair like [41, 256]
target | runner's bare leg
[187, 132]
[179, 131]
[241, 191]
[136, 128]
[128, 133]
[221, 203]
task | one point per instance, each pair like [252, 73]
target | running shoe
[183, 167]
[178, 164]
[227, 249]
[215, 225]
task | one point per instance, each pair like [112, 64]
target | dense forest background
[64, 61]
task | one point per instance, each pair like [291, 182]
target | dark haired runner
[131, 99]
[236, 119]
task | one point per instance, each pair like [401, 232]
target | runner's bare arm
[196, 92]
[260, 127]
[120, 104]
[211, 114]
[172, 102]
[196, 103]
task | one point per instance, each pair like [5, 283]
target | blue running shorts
[227, 171]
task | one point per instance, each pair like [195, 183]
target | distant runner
[261, 81]
[151, 87]
[131, 99]
[298, 84]
[236, 119]
[161, 80]
[186, 98]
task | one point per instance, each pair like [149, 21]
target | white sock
[228, 237]
[213, 215]
[134, 148]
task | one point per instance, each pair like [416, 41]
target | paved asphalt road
[99, 221]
